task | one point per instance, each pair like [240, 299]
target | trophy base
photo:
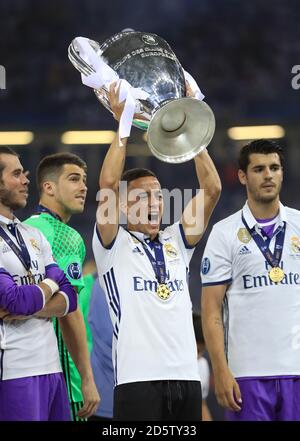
[180, 129]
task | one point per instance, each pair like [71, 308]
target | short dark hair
[136, 173]
[51, 166]
[4, 150]
[198, 328]
[264, 146]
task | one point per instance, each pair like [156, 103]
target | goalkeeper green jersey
[89, 280]
[69, 251]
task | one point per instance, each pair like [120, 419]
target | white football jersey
[261, 318]
[153, 339]
[27, 347]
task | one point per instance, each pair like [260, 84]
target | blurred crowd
[241, 54]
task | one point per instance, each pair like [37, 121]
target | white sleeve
[104, 256]
[216, 265]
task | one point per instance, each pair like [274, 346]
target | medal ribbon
[158, 263]
[272, 259]
[22, 253]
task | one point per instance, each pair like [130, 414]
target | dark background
[240, 53]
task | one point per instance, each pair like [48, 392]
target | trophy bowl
[178, 127]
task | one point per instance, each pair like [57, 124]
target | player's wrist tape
[52, 285]
[67, 302]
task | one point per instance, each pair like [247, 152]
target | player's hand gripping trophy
[159, 95]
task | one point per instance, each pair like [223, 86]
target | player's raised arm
[198, 211]
[110, 175]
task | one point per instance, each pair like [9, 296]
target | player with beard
[61, 179]
[32, 289]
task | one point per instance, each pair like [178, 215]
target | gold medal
[163, 291]
[276, 274]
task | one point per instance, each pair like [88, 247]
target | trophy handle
[78, 62]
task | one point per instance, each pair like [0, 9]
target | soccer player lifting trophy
[154, 86]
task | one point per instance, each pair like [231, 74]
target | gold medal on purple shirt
[276, 274]
[163, 291]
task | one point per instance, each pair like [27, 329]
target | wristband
[67, 302]
[52, 285]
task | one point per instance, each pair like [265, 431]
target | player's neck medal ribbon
[276, 274]
[159, 267]
[22, 253]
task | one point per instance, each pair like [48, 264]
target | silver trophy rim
[203, 129]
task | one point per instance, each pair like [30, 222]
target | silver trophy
[179, 127]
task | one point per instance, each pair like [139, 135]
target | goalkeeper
[61, 180]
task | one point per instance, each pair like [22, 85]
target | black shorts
[166, 400]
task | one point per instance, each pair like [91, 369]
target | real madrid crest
[295, 244]
[244, 235]
[170, 250]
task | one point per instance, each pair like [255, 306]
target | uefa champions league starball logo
[205, 267]
[74, 271]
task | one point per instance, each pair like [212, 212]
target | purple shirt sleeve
[72, 296]
[20, 300]
[55, 273]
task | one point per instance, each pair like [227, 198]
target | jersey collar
[5, 220]
[252, 222]
[42, 209]
[141, 236]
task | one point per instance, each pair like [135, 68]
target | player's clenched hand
[91, 398]
[227, 391]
